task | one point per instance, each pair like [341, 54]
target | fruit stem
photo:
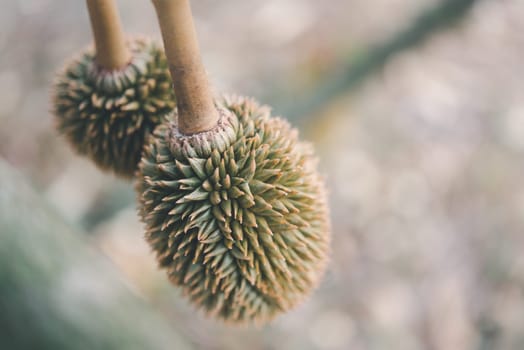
[196, 109]
[111, 50]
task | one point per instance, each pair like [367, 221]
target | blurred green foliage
[58, 292]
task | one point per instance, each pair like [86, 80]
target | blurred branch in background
[347, 77]
[57, 292]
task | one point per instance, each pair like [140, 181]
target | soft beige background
[424, 162]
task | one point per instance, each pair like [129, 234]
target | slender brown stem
[111, 49]
[196, 110]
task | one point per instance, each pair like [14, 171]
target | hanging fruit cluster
[108, 114]
[231, 199]
[237, 216]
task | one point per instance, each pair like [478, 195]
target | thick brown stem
[111, 50]
[196, 110]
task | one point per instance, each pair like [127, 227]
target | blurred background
[416, 108]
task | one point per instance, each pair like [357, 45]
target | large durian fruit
[237, 215]
[107, 115]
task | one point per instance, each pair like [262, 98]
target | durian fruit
[236, 215]
[232, 202]
[106, 115]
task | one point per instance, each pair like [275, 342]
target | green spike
[197, 164]
[237, 231]
[214, 198]
[189, 183]
[197, 195]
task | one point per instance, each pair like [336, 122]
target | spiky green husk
[237, 216]
[107, 115]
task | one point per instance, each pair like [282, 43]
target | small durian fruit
[107, 101]
[236, 215]
[234, 209]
